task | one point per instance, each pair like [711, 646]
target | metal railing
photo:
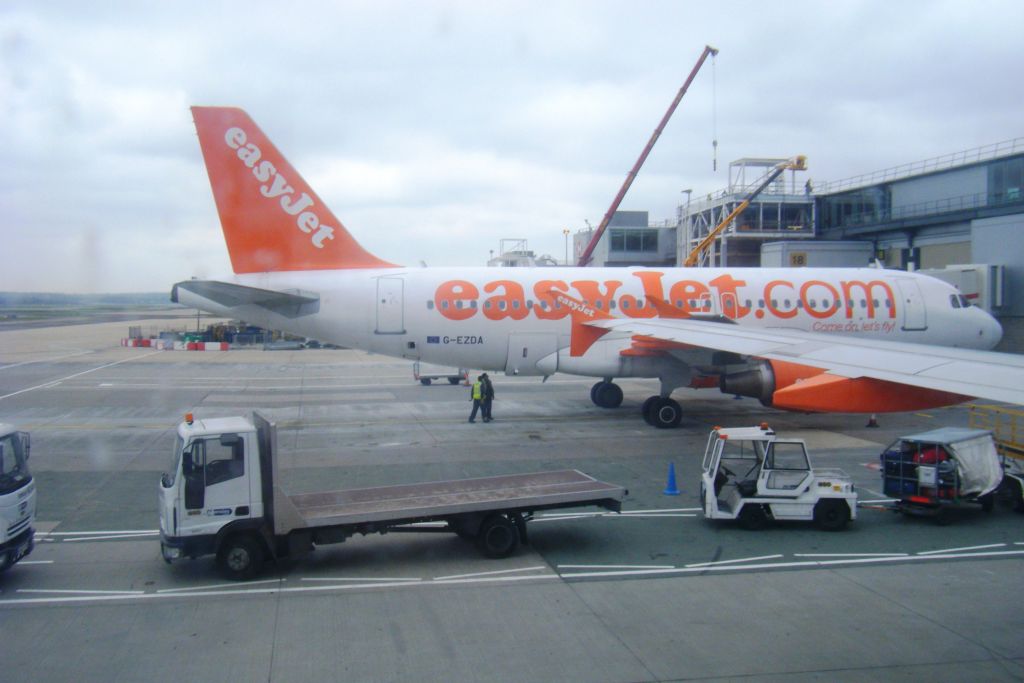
[935, 207]
[968, 156]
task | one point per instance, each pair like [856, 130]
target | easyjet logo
[782, 299]
[275, 186]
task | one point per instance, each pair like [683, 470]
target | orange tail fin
[272, 219]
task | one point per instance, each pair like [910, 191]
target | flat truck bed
[225, 498]
[507, 492]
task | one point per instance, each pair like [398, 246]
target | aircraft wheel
[666, 413]
[593, 392]
[646, 408]
[609, 395]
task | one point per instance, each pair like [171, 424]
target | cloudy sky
[436, 129]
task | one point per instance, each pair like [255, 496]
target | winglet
[582, 336]
[272, 219]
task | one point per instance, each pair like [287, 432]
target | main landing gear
[662, 412]
[659, 411]
[606, 394]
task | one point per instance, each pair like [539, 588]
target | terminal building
[959, 217]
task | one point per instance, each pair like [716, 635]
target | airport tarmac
[654, 594]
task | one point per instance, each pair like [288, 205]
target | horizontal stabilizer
[290, 304]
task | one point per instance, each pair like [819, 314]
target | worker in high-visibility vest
[476, 395]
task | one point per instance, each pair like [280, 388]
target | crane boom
[797, 163]
[589, 251]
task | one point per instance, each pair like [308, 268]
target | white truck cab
[751, 475]
[17, 497]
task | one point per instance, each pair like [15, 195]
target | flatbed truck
[223, 497]
[17, 497]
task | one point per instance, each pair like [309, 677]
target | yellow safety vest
[478, 390]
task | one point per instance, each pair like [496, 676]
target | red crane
[589, 251]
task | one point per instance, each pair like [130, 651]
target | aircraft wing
[291, 304]
[982, 374]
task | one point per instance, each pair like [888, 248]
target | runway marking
[383, 578]
[77, 374]
[71, 591]
[215, 586]
[790, 565]
[391, 583]
[616, 566]
[743, 559]
[35, 562]
[130, 532]
[502, 571]
[958, 550]
[108, 537]
[44, 360]
[850, 554]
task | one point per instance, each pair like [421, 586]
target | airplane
[867, 340]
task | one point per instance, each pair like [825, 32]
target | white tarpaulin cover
[975, 454]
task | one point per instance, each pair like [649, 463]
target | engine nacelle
[765, 378]
[789, 386]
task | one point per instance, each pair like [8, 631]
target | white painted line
[94, 533]
[535, 577]
[561, 519]
[850, 554]
[78, 592]
[556, 515]
[742, 559]
[107, 537]
[44, 360]
[502, 571]
[788, 565]
[263, 591]
[958, 550]
[382, 578]
[660, 514]
[219, 585]
[647, 512]
[77, 374]
[35, 562]
[616, 566]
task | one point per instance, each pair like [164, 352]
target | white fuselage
[507, 318]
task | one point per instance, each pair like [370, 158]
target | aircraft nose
[990, 331]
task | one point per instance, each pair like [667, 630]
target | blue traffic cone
[670, 487]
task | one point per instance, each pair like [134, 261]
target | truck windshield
[172, 471]
[13, 464]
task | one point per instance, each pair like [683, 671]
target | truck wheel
[498, 537]
[454, 380]
[425, 381]
[240, 558]
[831, 515]
[753, 517]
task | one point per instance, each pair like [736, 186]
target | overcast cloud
[434, 130]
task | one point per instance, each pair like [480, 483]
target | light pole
[565, 232]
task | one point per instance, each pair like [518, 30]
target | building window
[634, 239]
